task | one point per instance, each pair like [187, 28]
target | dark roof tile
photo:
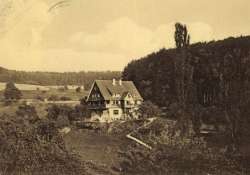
[107, 89]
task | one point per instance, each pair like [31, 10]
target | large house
[110, 100]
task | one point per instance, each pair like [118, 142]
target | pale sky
[77, 35]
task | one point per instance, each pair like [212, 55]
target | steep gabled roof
[108, 90]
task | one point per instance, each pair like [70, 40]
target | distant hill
[55, 78]
[228, 60]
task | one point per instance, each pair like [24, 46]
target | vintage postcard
[124, 87]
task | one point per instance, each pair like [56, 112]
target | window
[137, 102]
[116, 112]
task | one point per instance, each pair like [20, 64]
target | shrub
[34, 149]
[11, 92]
[83, 101]
[60, 114]
[28, 113]
[63, 98]
[54, 111]
[40, 98]
[148, 109]
[78, 89]
[53, 98]
[175, 155]
[80, 111]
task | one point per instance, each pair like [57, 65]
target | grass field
[33, 94]
[33, 91]
[25, 87]
[100, 148]
[96, 147]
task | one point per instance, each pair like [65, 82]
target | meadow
[25, 87]
[43, 92]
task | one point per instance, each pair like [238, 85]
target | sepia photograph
[124, 87]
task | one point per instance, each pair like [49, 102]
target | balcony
[96, 105]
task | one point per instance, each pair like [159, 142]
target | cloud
[200, 32]
[20, 41]
[122, 35]
[125, 36]
[23, 44]
[26, 21]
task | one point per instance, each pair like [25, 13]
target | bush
[54, 111]
[60, 114]
[53, 98]
[11, 92]
[175, 155]
[78, 89]
[80, 112]
[148, 109]
[40, 98]
[63, 98]
[28, 113]
[34, 149]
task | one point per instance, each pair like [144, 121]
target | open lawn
[24, 86]
[97, 147]
[34, 94]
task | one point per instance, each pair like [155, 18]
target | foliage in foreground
[176, 155]
[36, 148]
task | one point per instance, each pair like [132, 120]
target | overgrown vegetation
[199, 83]
[29, 146]
[175, 155]
[214, 74]
[68, 113]
[148, 109]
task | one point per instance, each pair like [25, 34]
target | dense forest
[55, 78]
[215, 80]
[227, 60]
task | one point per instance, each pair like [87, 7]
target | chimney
[120, 82]
[114, 82]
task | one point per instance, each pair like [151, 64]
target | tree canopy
[11, 92]
[56, 78]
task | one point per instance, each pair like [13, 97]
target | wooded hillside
[217, 66]
[56, 78]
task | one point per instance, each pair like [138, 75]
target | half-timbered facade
[110, 100]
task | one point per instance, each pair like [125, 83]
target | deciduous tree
[11, 92]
